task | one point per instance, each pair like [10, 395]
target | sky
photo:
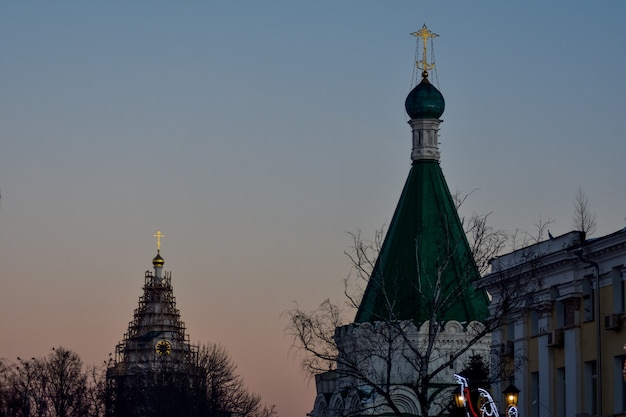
[256, 135]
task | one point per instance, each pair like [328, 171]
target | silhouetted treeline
[57, 385]
[60, 385]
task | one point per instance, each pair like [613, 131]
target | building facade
[568, 344]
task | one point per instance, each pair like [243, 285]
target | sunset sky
[256, 134]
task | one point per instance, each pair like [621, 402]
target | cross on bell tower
[158, 236]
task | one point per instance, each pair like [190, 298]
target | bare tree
[486, 241]
[362, 255]
[95, 391]
[22, 388]
[226, 394]
[210, 387]
[373, 361]
[540, 232]
[584, 219]
[54, 386]
[58, 385]
[66, 383]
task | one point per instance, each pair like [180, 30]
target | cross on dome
[158, 260]
[425, 34]
[158, 236]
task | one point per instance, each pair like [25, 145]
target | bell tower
[155, 367]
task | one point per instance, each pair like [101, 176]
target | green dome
[424, 102]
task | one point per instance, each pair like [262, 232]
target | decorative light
[459, 399]
[512, 393]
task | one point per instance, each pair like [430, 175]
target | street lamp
[459, 399]
[511, 393]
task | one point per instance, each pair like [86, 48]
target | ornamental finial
[425, 34]
[158, 236]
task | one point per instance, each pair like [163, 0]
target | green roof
[425, 240]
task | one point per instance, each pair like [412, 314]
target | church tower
[420, 317]
[425, 269]
[155, 369]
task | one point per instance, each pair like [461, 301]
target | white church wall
[381, 353]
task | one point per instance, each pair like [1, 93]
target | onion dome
[424, 101]
[158, 259]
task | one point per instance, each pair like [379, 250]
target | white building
[569, 344]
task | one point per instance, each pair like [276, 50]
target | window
[560, 392]
[618, 290]
[533, 318]
[534, 392]
[588, 297]
[591, 384]
[510, 330]
[570, 314]
[620, 385]
[559, 310]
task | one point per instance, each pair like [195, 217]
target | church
[155, 370]
[421, 318]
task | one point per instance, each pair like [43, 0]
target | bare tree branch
[584, 219]
[378, 357]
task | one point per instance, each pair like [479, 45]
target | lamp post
[512, 394]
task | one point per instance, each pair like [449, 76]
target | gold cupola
[158, 259]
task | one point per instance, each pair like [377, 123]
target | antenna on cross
[158, 236]
[425, 34]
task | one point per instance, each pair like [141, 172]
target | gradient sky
[255, 134]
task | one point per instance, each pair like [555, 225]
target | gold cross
[158, 235]
[425, 34]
